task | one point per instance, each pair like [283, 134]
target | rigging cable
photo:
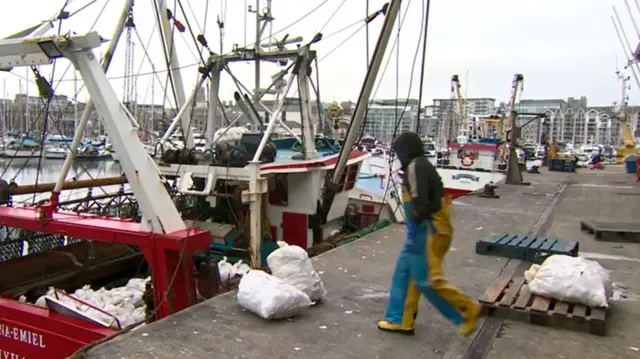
[284, 28]
[413, 67]
[423, 64]
[367, 32]
[343, 42]
[153, 66]
[390, 179]
[333, 15]
[387, 62]
[167, 53]
[45, 90]
[395, 111]
[193, 103]
[351, 36]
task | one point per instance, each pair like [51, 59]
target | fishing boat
[241, 194]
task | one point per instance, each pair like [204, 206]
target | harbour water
[25, 172]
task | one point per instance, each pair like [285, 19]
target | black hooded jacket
[420, 179]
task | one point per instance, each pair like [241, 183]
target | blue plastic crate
[569, 166]
[555, 165]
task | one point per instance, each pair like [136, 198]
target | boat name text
[8, 355]
[21, 335]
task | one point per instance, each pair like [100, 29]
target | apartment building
[383, 115]
[572, 121]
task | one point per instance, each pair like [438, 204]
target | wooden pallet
[523, 247]
[513, 298]
[612, 231]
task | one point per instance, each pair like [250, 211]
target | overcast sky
[562, 47]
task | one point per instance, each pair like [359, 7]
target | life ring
[467, 160]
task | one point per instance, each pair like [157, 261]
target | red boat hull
[27, 331]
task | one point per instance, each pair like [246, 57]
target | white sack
[269, 297]
[125, 303]
[229, 135]
[225, 269]
[575, 280]
[239, 269]
[293, 266]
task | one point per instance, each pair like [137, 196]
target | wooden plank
[597, 323]
[523, 297]
[510, 293]
[494, 290]
[514, 301]
[561, 308]
[540, 304]
[587, 225]
[598, 314]
[579, 311]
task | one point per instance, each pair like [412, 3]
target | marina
[343, 325]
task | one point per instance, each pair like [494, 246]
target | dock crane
[629, 145]
[506, 128]
[129, 83]
[633, 57]
[457, 88]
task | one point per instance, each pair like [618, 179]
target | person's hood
[407, 147]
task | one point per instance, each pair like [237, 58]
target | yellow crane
[628, 142]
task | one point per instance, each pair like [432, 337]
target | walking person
[428, 238]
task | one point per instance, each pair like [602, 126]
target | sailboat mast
[153, 106]
[22, 108]
[75, 100]
[4, 110]
[26, 91]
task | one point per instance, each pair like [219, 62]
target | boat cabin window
[279, 196]
[351, 177]
[348, 178]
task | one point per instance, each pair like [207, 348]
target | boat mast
[153, 107]
[75, 101]
[27, 127]
[456, 87]
[4, 111]
[173, 66]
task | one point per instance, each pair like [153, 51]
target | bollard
[489, 191]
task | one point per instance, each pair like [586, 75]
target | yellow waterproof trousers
[418, 274]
